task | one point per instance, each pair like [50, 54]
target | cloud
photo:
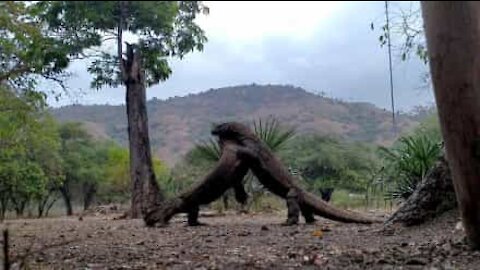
[321, 46]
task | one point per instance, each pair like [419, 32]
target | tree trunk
[42, 203]
[41, 207]
[453, 40]
[432, 197]
[66, 197]
[89, 191]
[50, 205]
[146, 193]
[19, 206]
[3, 207]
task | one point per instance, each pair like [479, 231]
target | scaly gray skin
[275, 177]
[228, 173]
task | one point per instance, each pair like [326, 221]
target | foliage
[272, 134]
[116, 186]
[30, 51]
[161, 29]
[30, 162]
[405, 24]
[408, 162]
[331, 162]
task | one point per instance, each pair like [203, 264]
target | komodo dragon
[228, 173]
[275, 177]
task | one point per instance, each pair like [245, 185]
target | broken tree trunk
[453, 39]
[270, 171]
[146, 193]
[228, 173]
[432, 197]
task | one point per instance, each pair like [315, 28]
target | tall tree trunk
[453, 42]
[66, 197]
[146, 193]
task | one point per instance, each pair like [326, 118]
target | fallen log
[228, 173]
[270, 171]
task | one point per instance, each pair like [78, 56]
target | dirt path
[238, 242]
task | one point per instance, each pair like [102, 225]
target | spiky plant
[408, 163]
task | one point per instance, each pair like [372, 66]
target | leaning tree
[158, 30]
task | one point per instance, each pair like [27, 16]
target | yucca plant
[408, 163]
[274, 135]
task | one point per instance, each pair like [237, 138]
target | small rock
[140, 243]
[264, 228]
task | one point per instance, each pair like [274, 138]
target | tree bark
[146, 194]
[432, 197]
[453, 41]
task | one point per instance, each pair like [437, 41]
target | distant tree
[326, 162]
[161, 29]
[29, 160]
[116, 185]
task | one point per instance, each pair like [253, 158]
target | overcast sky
[320, 46]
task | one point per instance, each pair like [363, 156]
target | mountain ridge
[176, 123]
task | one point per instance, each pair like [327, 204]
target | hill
[177, 123]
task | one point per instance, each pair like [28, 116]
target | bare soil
[235, 241]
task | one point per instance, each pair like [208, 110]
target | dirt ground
[236, 241]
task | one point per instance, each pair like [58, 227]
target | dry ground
[235, 241]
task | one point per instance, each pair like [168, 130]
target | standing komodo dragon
[228, 173]
[274, 176]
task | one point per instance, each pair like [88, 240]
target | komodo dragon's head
[232, 131]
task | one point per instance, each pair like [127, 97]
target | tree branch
[60, 82]
[14, 72]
